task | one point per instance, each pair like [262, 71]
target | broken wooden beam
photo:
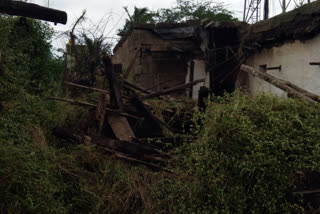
[278, 83]
[303, 91]
[18, 8]
[80, 103]
[146, 91]
[136, 87]
[115, 95]
[100, 112]
[172, 90]
[86, 87]
[119, 124]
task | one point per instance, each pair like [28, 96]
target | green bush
[245, 158]
[37, 175]
[26, 52]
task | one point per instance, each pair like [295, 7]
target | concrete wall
[294, 59]
[199, 73]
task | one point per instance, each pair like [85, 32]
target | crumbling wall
[149, 60]
[294, 59]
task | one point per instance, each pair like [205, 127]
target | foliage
[182, 11]
[26, 50]
[85, 47]
[140, 15]
[245, 158]
[185, 10]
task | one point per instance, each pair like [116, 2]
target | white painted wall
[199, 73]
[294, 59]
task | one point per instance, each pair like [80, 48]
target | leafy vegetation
[182, 11]
[245, 158]
[185, 10]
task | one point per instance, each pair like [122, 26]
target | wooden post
[120, 125]
[115, 95]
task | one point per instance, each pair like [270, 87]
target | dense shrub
[246, 156]
[37, 175]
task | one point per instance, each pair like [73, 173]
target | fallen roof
[300, 24]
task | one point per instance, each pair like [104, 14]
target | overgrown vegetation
[241, 156]
[245, 158]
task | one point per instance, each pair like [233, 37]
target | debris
[129, 151]
[141, 107]
[172, 90]
[111, 117]
[147, 91]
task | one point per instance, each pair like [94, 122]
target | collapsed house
[159, 56]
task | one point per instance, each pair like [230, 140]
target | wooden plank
[100, 113]
[121, 127]
[115, 95]
[119, 124]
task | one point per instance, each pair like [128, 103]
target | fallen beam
[18, 8]
[86, 87]
[172, 90]
[80, 103]
[278, 83]
[115, 94]
[137, 87]
[303, 91]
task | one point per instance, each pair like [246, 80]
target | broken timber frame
[171, 90]
[286, 86]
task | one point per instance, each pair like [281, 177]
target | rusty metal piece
[314, 63]
[275, 68]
